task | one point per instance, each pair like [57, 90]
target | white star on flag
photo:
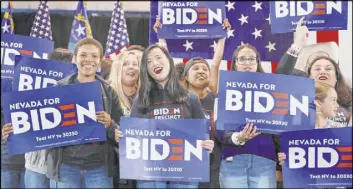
[80, 30]
[271, 46]
[188, 45]
[230, 5]
[248, 20]
[257, 6]
[5, 28]
[243, 19]
[257, 33]
[230, 33]
[214, 46]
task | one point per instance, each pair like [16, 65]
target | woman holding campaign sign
[88, 165]
[125, 80]
[326, 101]
[160, 89]
[196, 76]
[324, 69]
[254, 164]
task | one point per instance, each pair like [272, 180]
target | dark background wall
[137, 26]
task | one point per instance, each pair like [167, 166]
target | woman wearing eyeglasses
[249, 158]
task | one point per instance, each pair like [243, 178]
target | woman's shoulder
[192, 95]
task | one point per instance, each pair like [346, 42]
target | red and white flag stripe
[315, 37]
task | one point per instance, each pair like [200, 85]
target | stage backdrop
[137, 26]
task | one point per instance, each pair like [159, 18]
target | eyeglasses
[243, 60]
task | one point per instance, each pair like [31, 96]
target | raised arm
[156, 26]
[289, 59]
[217, 58]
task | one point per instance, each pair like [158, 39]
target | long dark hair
[235, 56]
[344, 92]
[149, 86]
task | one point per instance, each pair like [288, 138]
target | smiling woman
[158, 71]
[326, 70]
[161, 92]
[125, 78]
[87, 55]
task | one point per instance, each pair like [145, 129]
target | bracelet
[235, 139]
[294, 50]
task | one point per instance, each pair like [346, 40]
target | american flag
[118, 38]
[7, 25]
[41, 27]
[250, 24]
[255, 17]
[80, 26]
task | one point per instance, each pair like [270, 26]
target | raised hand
[157, 25]
[301, 33]
[226, 24]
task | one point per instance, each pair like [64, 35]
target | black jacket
[111, 106]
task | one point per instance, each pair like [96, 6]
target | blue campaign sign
[319, 15]
[164, 150]
[12, 45]
[53, 117]
[6, 85]
[191, 19]
[32, 73]
[269, 101]
[319, 158]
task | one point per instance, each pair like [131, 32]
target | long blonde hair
[115, 79]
